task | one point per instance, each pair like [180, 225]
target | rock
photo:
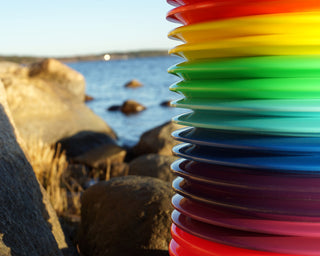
[76, 173]
[61, 75]
[70, 225]
[88, 98]
[157, 140]
[126, 216]
[26, 220]
[92, 148]
[8, 67]
[54, 111]
[165, 103]
[95, 150]
[106, 173]
[114, 108]
[131, 107]
[133, 84]
[119, 170]
[53, 222]
[153, 165]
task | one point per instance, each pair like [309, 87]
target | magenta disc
[224, 218]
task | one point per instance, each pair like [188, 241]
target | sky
[78, 27]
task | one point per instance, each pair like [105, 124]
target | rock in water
[24, 218]
[153, 165]
[131, 107]
[47, 102]
[133, 84]
[88, 98]
[157, 140]
[166, 103]
[114, 108]
[126, 216]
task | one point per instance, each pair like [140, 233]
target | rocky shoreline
[125, 192]
[92, 57]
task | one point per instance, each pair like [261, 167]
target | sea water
[105, 82]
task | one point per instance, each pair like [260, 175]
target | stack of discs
[249, 178]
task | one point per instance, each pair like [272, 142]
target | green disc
[252, 67]
[272, 88]
[284, 126]
[275, 107]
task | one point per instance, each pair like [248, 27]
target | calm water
[105, 82]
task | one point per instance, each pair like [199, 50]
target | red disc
[224, 9]
[185, 244]
[186, 2]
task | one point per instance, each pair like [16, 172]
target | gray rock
[95, 150]
[153, 165]
[24, 214]
[92, 148]
[157, 140]
[48, 98]
[126, 216]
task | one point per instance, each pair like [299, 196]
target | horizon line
[83, 54]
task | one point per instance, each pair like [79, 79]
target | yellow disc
[266, 45]
[300, 24]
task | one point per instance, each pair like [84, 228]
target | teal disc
[284, 126]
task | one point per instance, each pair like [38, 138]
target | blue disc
[247, 141]
[280, 162]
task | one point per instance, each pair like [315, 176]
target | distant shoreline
[89, 57]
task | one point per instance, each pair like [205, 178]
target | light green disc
[275, 107]
[232, 89]
[252, 67]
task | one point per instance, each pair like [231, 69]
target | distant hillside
[20, 59]
[113, 55]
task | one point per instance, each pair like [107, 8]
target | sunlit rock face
[46, 100]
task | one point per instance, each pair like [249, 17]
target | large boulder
[47, 104]
[25, 213]
[153, 165]
[157, 140]
[126, 216]
[8, 67]
[63, 77]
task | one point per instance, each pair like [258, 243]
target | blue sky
[75, 27]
